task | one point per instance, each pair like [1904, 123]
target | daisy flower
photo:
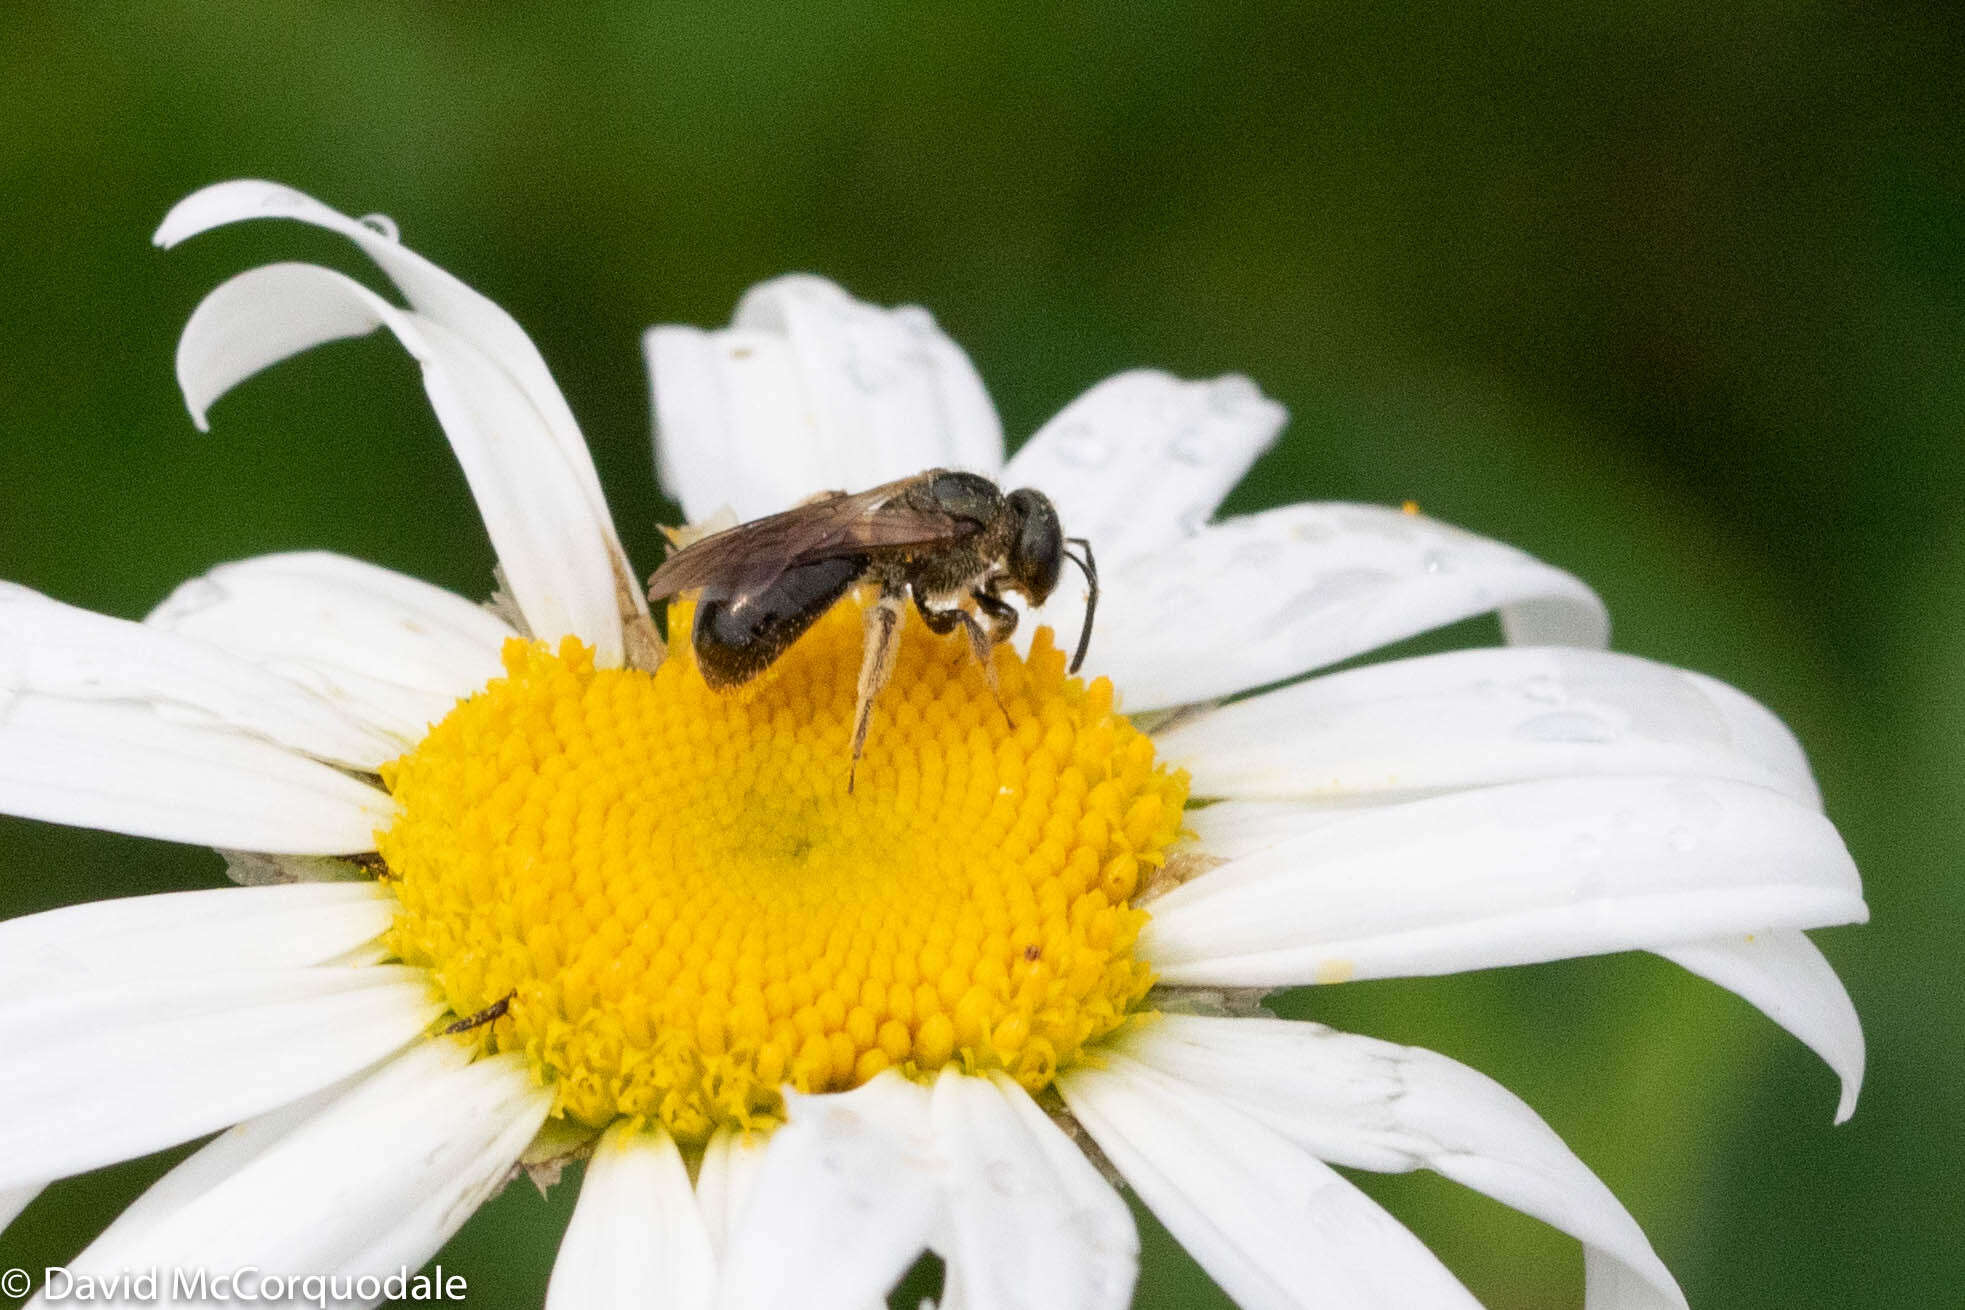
[522, 888]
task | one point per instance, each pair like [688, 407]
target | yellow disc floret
[688, 910]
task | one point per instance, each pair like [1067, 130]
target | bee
[949, 540]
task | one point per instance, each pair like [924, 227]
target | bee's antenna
[1090, 569]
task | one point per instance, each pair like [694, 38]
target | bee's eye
[1037, 554]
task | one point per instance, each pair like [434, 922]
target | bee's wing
[751, 556]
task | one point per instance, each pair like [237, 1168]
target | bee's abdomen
[737, 637]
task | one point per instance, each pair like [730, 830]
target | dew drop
[1193, 446]
[1544, 689]
[1435, 561]
[1083, 448]
[868, 375]
[1566, 726]
[382, 225]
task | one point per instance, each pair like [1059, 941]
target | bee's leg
[883, 637]
[943, 622]
[1002, 614]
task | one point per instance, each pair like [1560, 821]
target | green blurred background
[1672, 295]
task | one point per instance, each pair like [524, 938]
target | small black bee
[950, 539]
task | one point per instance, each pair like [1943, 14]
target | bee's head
[1037, 546]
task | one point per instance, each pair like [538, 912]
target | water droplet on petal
[382, 225]
[1543, 688]
[1083, 448]
[1566, 726]
[1435, 561]
[868, 374]
[1193, 446]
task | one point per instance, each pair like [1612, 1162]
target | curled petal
[435, 295]
[559, 555]
[1785, 976]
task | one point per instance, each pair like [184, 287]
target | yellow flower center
[688, 910]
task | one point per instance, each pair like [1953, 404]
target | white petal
[436, 296]
[125, 768]
[1258, 599]
[13, 1200]
[1473, 718]
[214, 1163]
[59, 650]
[810, 390]
[637, 1237]
[396, 652]
[1786, 978]
[1142, 459]
[1033, 1223]
[365, 1182]
[104, 1073]
[213, 931]
[1271, 1223]
[557, 555]
[1228, 830]
[848, 1195]
[1373, 1105]
[1507, 875]
[725, 1180]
